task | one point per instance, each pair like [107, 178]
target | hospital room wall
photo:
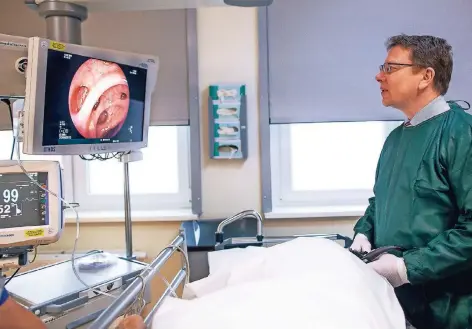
[228, 52]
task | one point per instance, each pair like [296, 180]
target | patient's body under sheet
[303, 283]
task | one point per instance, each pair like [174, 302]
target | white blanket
[304, 283]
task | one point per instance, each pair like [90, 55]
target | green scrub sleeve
[365, 224]
[450, 252]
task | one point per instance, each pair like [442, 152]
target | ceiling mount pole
[63, 19]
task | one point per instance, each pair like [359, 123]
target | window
[159, 182]
[6, 145]
[325, 164]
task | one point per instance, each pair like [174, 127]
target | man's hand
[361, 243]
[132, 322]
[392, 268]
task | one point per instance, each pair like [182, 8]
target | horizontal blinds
[158, 32]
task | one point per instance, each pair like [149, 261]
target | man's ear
[428, 78]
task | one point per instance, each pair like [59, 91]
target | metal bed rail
[129, 295]
[178, 279]
[268, 241]
[260, 239]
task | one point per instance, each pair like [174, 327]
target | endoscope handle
[374, 254]
[61, 308]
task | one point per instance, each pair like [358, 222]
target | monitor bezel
[46, 234]
[36, 87]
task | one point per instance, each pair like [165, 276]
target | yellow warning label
[57, 46]
[34, 233]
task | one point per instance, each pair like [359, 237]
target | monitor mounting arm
[63, 19]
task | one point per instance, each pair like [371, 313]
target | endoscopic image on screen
[90, 100]
[99, 99]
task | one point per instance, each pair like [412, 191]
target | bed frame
[195, 259]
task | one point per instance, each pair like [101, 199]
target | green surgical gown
[423, 202]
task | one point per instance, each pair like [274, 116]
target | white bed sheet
[303, 283]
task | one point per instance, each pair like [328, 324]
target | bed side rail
[121, 304]
[267, 241]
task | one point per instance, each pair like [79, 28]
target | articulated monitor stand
[63, 24]
[126, 159]
[63, 19]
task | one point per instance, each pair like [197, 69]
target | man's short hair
[428, 51]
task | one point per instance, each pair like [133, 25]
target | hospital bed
[238, 231]
[193, 242]
[57, 293]
[97, 296]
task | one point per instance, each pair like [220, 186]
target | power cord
[18, 269]
[138, 305]
[12, 276]
[103, 157]
[68, 204]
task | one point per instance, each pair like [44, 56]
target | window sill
[316, 212]
[137, 216]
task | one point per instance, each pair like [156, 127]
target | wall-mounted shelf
[227, 115]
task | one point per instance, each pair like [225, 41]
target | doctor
[423, 188]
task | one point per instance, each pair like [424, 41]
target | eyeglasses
[389, 67]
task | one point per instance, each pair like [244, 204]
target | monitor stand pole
[63, 19]
[126, 159]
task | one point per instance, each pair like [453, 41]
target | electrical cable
[102, 157]
[187, 269]
[70, 206]
[137, 309]
[18, 269]
[12, 276]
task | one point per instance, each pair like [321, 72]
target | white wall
[227, 52]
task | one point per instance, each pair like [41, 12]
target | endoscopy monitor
[85, 100]
[29, 214]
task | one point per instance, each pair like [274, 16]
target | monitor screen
[22, 202]
[91, 101]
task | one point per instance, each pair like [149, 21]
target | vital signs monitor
[29, 215]
[85, 100]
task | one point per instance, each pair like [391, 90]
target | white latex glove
[361, 243]
[392, 268]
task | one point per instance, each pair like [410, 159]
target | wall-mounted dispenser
[227, 106]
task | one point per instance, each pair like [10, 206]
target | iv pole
[63, 24]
